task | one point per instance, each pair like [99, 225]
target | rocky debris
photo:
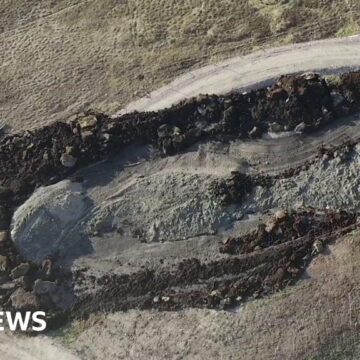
[251, 266]
[235, 188]
[217, 284]
[255, 132]
[271, 258]
[285, 226]
[47, 266]
[300, 102]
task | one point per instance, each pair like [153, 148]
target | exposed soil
[249, 266]
[260, 264]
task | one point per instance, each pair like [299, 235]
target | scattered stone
[215, 293]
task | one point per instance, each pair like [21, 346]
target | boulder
[23, 300]
[40, 225]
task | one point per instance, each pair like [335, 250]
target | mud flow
[211, 203]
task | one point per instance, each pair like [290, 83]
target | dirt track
[245, 72]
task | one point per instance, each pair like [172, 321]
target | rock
[87, 122]
[106, 137]
[280, 215]
[20, 270]
[4, 263]
[67, 160]
[300, 128]
[310, 76]
[42, 287]
[5, 218]
[270, 225]
[87, 135]
[22, 300]
[254, 132]
[275, 127]
[337, 98]
[60, 205]
[318, 247]
[70, 150]
[176, 131]
[7, 287]
[4, 279]
[163, 130]
[4, 236]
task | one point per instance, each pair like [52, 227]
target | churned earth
[198, 218]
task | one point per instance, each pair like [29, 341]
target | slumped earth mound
[189, 225]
